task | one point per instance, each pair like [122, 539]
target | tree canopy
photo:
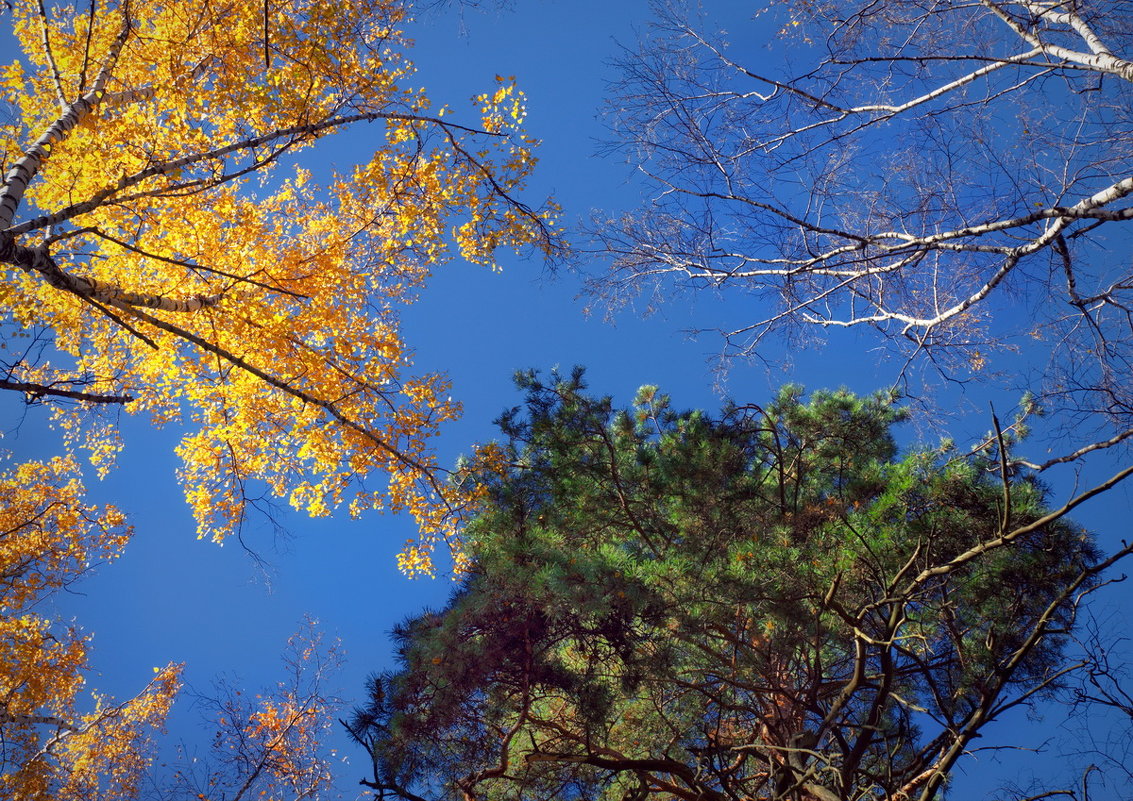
[54, 744]
[164, 255]
[950, 179]
[770, 603]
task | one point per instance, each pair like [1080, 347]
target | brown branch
[1006, 538]
[988, 710]
[37, 391]
[696, 791]
[1074, 456]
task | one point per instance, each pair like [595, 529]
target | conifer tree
[773, 603]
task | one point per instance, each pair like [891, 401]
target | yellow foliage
[159, 240]
[185, 267]
[272, 746]
[52, 749]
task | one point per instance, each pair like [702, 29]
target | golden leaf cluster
[162, 232]
[171, 248]
[60, 742]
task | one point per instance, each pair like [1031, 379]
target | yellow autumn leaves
[293, 374]
[164, 244]
[58, 742]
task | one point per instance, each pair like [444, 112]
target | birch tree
[953, 178]
[164, 254]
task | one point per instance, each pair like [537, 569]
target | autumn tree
[165, 256]
[56, 741]
[266, 745]
[951, 178]
[769, 604]
[160, 240]
[60, 740]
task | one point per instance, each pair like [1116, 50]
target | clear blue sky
[172, 597]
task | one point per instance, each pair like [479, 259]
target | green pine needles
[768, 604]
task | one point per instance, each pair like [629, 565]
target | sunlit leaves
[191, 265]
[270, 745]
[668, 604]
[58, 742]
[164, 251]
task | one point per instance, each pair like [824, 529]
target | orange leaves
[109, 753]
[52, 749]
[271, 746]
[465, 494]
[50, 535]
[157, 234]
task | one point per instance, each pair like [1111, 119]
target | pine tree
[771, 603]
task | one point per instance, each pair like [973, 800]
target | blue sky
[174, 598]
